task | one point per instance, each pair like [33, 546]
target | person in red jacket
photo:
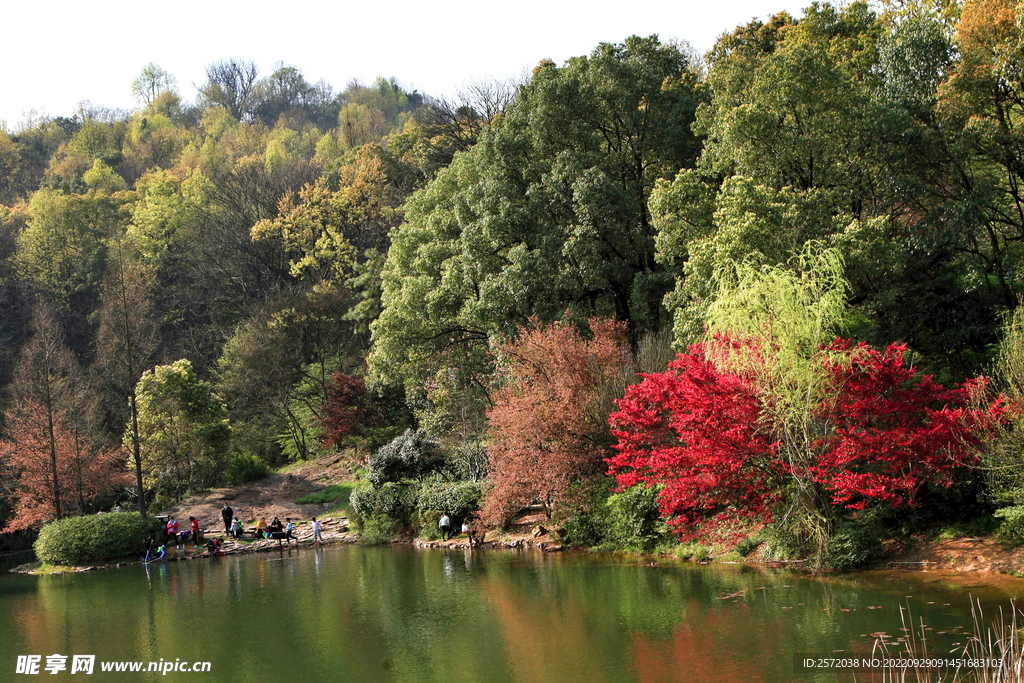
[172, 531]
[195, 531]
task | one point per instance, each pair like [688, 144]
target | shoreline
[336, 532]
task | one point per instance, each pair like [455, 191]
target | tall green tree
[126, 343]
[183, 431]
[547, 212]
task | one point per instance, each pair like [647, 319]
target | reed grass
[994, 653]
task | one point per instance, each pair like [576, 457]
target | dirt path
[273, 496]
[969, 554]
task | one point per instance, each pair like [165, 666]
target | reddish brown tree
[348, 410]
[46, 378]
[47, 458]
[548, 427]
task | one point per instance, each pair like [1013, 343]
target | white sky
[55, 54]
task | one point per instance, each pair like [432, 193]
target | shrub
[856, 541]
[693, 550]
[409, 456]
[633, 518]
[378, 530]
[429, 520]
[781, 544]
[244, 468]
[1012, 526]
[583, 515]
[335, 493]
[394, 500]
[95, 538]
[748, 545]
[687, 550]
[848, 550]
[459, 499]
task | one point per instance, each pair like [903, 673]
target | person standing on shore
[195, 531]
[172, 532]
[446, 526]
[228, 514]
[317, 538]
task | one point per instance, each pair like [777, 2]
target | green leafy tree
[62, 250]
[547, 212]
[126, 342]
[183, 429]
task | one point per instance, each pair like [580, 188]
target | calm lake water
[402, 614]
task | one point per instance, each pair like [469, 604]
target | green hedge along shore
[76, 541]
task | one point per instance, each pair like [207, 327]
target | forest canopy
[279, 270]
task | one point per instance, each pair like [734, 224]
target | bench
[274, 535]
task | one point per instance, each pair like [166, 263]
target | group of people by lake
[234, 528]
[276, 529]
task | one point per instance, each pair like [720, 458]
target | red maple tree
[699, 432]
[694, 430]
[892, 430]
[548, 426]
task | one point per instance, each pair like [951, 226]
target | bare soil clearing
[969, 554]
[273, 496]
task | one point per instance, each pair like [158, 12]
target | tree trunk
[136, 454]
[53, 461]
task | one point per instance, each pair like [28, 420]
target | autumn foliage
[885, 431]
[695, 430]
[348, 410]
[893, 430]
[83, 471]
[548, 426]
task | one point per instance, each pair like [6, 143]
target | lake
[404, 614]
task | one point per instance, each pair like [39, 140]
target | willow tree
[1004, 458]
[773, 326]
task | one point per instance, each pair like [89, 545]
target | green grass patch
[985, 525]
[338, 494]
[291, 467]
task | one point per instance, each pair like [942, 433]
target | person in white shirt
[446, 526]
[317, 538]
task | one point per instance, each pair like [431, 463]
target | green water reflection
[401, 614]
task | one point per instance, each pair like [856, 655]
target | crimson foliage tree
[698, 431]
[893, 430]
[348, 410]
[549, 426]
[695, 430]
